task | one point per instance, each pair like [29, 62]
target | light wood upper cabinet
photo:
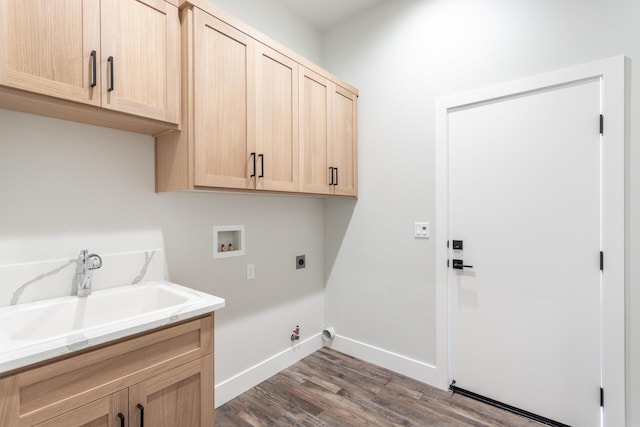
[256, 116]
[344, 142]
[315, 132]
[328, 147]
[120, 55]
[46, 47]
[223, 103]
[140, 58]
[242, 131]
[276, 121]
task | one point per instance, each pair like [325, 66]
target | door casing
[614, 216]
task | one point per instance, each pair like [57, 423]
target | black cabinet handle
[261, 165]
[331, 173]
[141, 408]
[121, 419]
[111, 86]
[253, 155]
[336, 169]
[94, 64]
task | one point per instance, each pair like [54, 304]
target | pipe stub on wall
[328, 334]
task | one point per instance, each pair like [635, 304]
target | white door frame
[614, 216]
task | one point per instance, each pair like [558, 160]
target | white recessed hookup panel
[228, 241]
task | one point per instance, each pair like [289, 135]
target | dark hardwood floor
[329, 388]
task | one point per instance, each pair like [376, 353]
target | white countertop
[16, 351]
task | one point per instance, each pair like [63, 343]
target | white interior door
[525, 199]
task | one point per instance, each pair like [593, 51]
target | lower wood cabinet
[108, 412]
[180, 397]
[163, 378]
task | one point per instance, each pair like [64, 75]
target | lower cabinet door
[109, 411]
[180, 397]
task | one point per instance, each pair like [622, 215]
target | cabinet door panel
[142, 38]
[180, 397]
[101, 413]
[45, 47]
[315, 149]
[224, 99]
[277, 119]
[344, 141]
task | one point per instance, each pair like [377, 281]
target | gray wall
[270, 17]
[402, 55]
[64, 184]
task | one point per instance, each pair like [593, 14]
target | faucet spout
[86, 263]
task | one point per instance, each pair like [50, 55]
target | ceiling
[324, 13]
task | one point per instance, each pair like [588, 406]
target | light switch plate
[422, 230]
[251, 271]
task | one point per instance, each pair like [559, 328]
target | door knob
[458, 264]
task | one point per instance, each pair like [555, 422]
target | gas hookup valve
[296, 334]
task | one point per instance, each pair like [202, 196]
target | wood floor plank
[385, 410]
[333, 404]
[328, 389]
[300, 419]
[343, 375]
[292, 401]
[330, 386]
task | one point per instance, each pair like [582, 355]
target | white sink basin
[36, 331]
[61, 316]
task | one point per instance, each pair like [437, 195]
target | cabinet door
[46, 47]
[276, 120]
[315, 149]
[105, 412]
[224, 104]
[140, 58]
[344, 141]
[180, 397]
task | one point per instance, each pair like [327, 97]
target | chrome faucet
[84, 270]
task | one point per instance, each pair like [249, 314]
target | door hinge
[601, 261]
[447, 263]
[447, 244]
[601, 124]
[601, 397]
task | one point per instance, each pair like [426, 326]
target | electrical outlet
[300, 262]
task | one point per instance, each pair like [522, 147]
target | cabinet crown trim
[229, 19]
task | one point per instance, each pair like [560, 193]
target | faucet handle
[94, 261]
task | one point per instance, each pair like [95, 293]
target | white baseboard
[238, 384]
[411, 368]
